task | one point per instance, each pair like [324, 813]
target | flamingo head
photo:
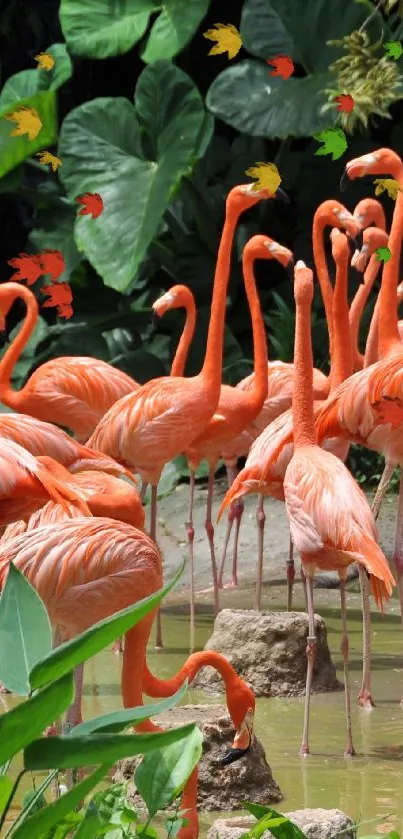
[303, 284]
[241, 706]
[369, 211]
[263, 247]
[373, 238]
[340, 248]
[175, 298]
[379, 162]
[244, 196]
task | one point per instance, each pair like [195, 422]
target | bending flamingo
[330, 520]
[70, 391]
[85, 571]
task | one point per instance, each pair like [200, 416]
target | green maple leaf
[383, 254]
[334, 142]
[393, 49]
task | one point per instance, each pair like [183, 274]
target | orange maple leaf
[52, 262]
[60, 296]
[345, 103]
[28, 268]
[283, 66]
[92, 204]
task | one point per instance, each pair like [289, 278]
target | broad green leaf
[55, 229]
[28, 82]
[29, 719]
[70, 752]
[101, 148]
[263, 33]
[45, 819]
[101, 28]
[118, 720]
[173, 29]
[34, 804]
[67, 656]
[140, 364]
[90, 825]
[14, 150]
[161, 775]
[246, 97]
[279, 826]
[21, 609]
[6, 786]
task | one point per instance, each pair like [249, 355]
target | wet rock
[220, 787]
[316, 824]
[268, 649]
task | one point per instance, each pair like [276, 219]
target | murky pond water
[368, 786]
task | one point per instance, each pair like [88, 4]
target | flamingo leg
[382, 488]
[73, 716]
[260, 519]
[231, 475]
[238, 513]
[350, 751]
[398, 550]
[143, 491]
[190, 536]
[311, 643]
[117, 646]
[290, 575]
[153, 534]
[210, 535]
[303, 581]
[364, 696]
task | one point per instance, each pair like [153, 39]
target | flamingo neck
[302, 400]
[182, 350]
[319, 224]
[155, 687]
[357, 308]
[342, 360]
[388, 334]
[9, 396]
[254, 398]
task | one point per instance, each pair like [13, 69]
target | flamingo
[85, 570]
[330, 519]
[368, 213]
[179, 297]
[150, 427]
[74, 391]
[250, 478]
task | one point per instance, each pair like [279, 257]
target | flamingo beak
[282, 195]
[242, 741]
[290, 269]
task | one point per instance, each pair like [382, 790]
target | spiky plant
[373, 82]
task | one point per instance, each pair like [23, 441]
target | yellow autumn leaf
[28, 122]
[45, 60]
[227, 37]
[47, 157]
[390, 185]
[267, 177]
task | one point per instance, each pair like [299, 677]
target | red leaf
[283, 66]
[92, 204]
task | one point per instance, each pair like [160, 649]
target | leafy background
[137, 111]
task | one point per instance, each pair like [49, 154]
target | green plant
[30, 668]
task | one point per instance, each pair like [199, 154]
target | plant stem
[376, 9]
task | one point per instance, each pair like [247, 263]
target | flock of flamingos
[86, 551]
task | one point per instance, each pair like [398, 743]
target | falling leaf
[28, 122]
[267, 175]
[47, 157]
[345, 103]
[383, 254]
[92, 204]
[60, 296]
[393, 49]
[391, 186]
[227, 37]
[283, 66]
[52, 262]
[45, 60]
[334, 142]
[28, 268]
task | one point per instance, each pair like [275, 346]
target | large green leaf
[173, 28]
[67, 656]
[42, 821]
[25, 633]
[101, 28]
[28, 82]
[13, 150]
[116, 721]
[246, 97]
[6, 786]
[263, 33]
[70, 752]
[100, 145]
[29, 719]
[161, 775]
[55, 229]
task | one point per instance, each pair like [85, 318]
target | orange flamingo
[250, 479]
[149, 428]
[68, 390]
[330, 520]
[85, 571]
[179, 297]
[368, 212]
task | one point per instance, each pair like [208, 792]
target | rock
[268, 649]
[220, 788]
[316, 824]
[331, 579]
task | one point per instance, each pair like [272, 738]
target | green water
[368, 786]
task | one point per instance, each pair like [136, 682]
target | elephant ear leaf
[134, 158]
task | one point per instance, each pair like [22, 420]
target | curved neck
[255, 397]
[182, 350]
[152, 686]
[389, 338]
[318, 229]
[371, 346]
[7, 395]
[342, 359]
[357, 308]
[302, 400]
[211, 371]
